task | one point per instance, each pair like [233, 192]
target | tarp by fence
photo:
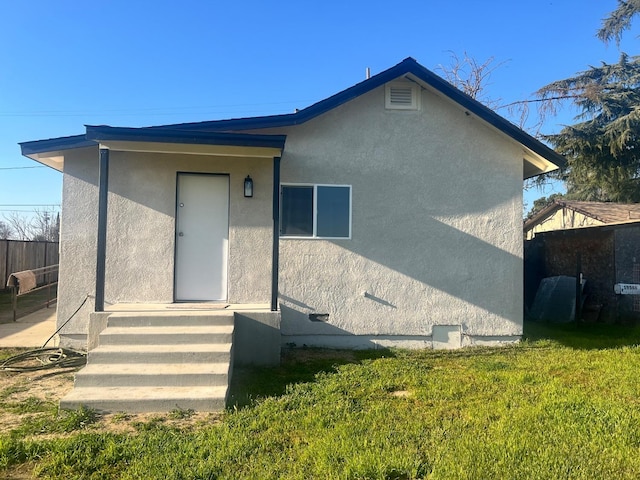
[17, 255]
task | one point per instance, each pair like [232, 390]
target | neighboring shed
[564, 214]
[609, 254]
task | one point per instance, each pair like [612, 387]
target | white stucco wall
[437, 202]
[141, 230]
[78, 236]
[436, 234]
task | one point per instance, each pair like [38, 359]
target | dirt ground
[46, 388]
[28, 395]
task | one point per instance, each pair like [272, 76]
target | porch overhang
[178, 141]
[51, 152]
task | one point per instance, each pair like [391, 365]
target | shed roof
[606, 212]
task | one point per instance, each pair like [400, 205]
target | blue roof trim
[407, 66]
[105, 133]
[323, 106]
[488, 115]
[55, 144]
[218, 131]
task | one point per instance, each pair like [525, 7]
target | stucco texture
[437, 222]
[436, 230]
[78, 237]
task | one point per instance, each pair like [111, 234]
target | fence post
[14, 301]
[6, 258]
[578, 288]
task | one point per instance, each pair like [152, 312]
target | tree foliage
[618, 21]
[543, 202]
[603, 148]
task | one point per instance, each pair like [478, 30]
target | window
[315, 211]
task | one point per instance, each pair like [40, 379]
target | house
[388, 214]
[563, 214]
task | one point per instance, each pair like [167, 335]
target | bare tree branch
[471, 76]
[5, 231]
[43, 226]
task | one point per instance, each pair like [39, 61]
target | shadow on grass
[298, 365]
[29, 303]
[587, 336]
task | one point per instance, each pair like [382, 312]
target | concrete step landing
[147, 399]
[158, 361]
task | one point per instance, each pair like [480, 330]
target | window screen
[321, 211]
[297, 211]
[333, 211]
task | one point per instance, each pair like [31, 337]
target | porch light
[248, 187]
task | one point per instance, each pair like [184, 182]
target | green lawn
[565, 403]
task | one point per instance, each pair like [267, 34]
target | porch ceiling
[192, 149]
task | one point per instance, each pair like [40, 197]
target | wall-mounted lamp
[248, 187]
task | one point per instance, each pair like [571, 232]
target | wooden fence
[17, 255]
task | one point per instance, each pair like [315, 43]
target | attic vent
[401, 96]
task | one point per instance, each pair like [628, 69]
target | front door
[202, 237]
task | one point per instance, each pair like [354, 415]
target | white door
[202, 237]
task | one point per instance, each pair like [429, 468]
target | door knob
[181, 234]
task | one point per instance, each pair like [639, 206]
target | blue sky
[65, 64]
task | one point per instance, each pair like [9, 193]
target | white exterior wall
[141, 230]
[436, 234]
[78, 240]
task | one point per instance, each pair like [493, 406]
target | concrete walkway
[30, 331]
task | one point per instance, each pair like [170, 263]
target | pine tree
[618, 21]
[603, 148]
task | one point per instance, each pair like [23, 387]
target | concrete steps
[158, 361]
[166, 335]
[148, 399]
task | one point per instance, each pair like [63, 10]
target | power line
[152, 111]
[21, 168]
[20, 211]
[29, 204]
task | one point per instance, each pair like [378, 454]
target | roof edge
[531, 222]
[54, 144]
[147, 134]
[408, 66]
[203, 131]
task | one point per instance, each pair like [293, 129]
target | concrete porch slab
[155, 307]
